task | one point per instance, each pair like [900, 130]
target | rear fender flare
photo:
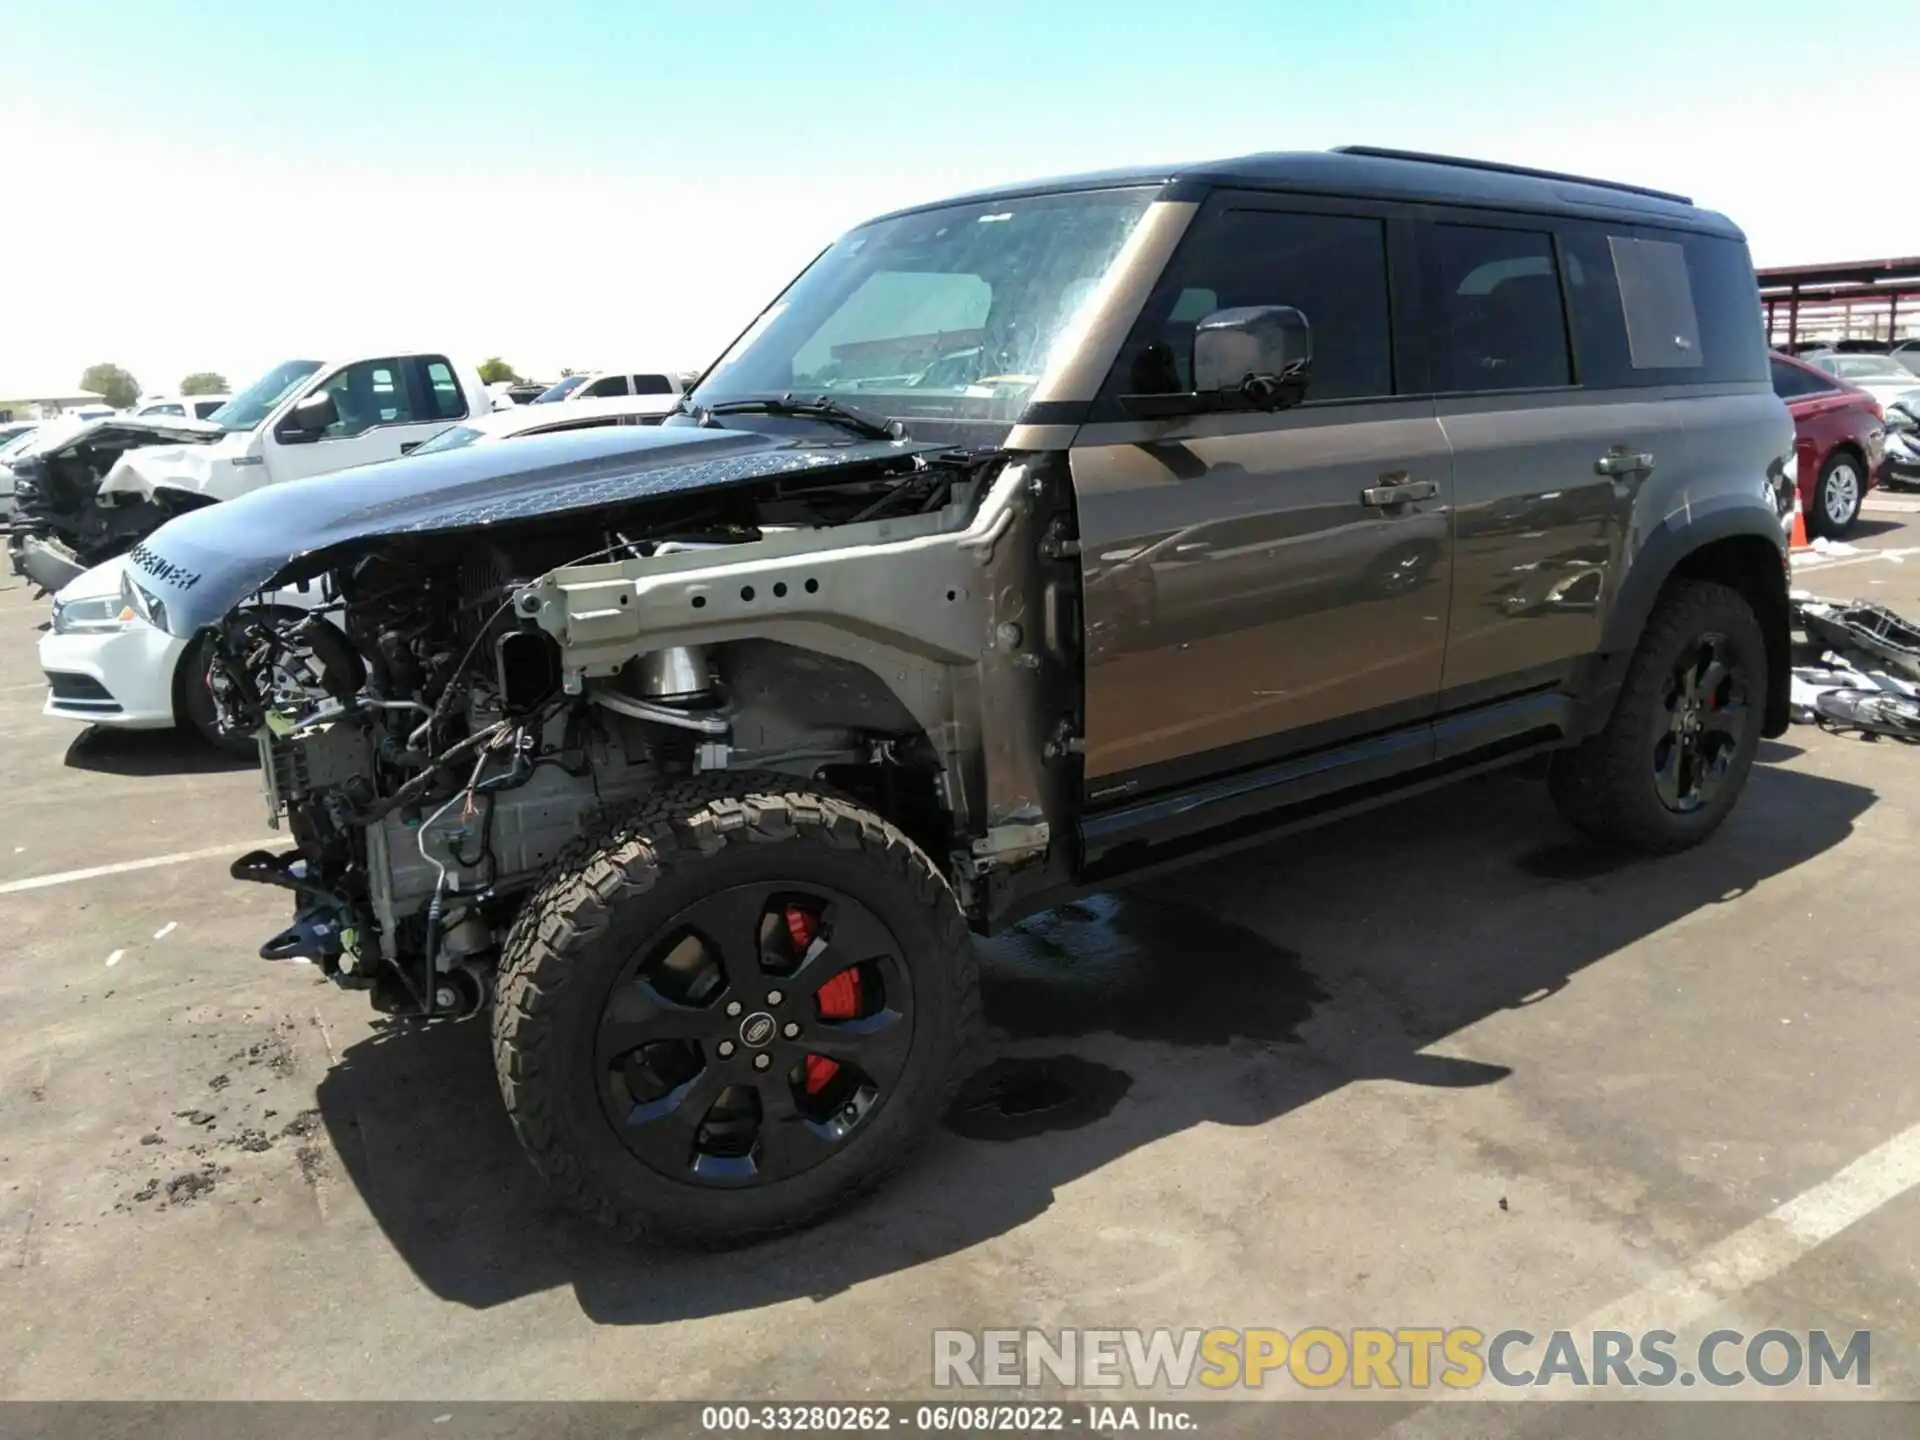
[1664, 553]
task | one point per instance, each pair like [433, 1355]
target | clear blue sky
[723, 143]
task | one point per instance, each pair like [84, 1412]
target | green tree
[112, 384]
[493, 370]
[204, 382]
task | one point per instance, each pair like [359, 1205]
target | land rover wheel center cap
[757, 1030]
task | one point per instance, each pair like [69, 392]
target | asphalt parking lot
[1442, 1064]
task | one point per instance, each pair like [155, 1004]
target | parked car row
[87, 493]
[1905, 353]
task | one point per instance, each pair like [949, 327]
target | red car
[1839, 437]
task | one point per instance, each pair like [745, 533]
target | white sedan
[106, 665]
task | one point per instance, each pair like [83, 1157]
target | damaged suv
[1024, 543]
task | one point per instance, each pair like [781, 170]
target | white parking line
[1720, 1274]
[1814, 560]
[94, 872]
[114, 959]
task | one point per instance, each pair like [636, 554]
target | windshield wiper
[821, 407]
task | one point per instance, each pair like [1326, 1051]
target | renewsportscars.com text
[1460, 1357]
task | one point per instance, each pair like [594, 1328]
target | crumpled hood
[57, 440]
[207, 468]
[201, 564]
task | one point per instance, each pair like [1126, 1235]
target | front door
[382, 409]
[1252, 585]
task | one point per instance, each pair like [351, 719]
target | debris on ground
[1867, 675]
[312, 1161]
[190, 1185]
[1889, 641]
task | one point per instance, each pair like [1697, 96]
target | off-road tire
[1604, 786]
[1821, 518]
[615, 887]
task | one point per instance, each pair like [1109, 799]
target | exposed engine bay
[463, 707]
[65, 525]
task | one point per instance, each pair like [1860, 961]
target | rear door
[1546, 469]
[1243, 598]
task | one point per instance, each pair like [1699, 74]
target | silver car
[1881, 376]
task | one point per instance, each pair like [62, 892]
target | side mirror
[308, 420]
[1252, 357]
[1255, 357]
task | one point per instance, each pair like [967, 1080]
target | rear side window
[1790, 382]
[203, 408]
[1656, 297]
[652, 385]
[444, 399]
[1499, 322]
[1332, 268]
[1662, 308]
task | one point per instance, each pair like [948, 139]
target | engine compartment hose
[658, 714]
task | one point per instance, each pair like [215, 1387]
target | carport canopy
[1851, 299]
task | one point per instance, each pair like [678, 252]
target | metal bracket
[1011, 844]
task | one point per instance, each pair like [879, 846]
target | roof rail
[1381, 153]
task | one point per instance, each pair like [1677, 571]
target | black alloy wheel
[1705, 713]
[755, 1035]
[731, 1008]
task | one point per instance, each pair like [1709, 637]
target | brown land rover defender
[1027, 541]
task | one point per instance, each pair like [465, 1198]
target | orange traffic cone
[1799, 541]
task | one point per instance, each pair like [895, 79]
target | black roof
[1372, 173]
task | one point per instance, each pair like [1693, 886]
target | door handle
[1398, 490]
[1618, 462]
[407, 447]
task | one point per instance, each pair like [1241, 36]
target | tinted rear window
[1501, 326]
[1790, 382]
[1656, 297]
[1641, 317]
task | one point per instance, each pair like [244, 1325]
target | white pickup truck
[98, 491]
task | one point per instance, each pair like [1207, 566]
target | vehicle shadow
[150, 752]
[1867, 526]
[1228, 995]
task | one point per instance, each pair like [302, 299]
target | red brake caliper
[839, 998]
